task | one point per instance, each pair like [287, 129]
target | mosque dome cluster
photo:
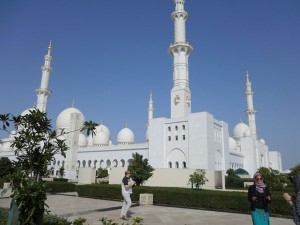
[102, 133]
[241, 130]
[184, 140]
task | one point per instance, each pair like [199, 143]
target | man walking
[126, 192]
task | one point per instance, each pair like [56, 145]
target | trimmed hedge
[60, 179]
[189, 198]
[236, 182]
[103, 191]
[58, 186]
[2, 181]
[54, 220]
[3, 216]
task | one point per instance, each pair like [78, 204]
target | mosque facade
[185, 140]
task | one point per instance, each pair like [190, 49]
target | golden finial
[34, 106]
[73, 105]
[126, 125]
[151, 94]
[241, 120]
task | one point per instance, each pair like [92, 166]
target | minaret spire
[180, 51]
[250, 111]
[150, 108]
[49, 47]
[43, 92]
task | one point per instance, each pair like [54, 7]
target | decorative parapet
[181, 43]
[47, 68]
[3, 140]
[248, 92]
[178, 14]
[42, 91]
[113, 147]
[180, 46]
[250, 111]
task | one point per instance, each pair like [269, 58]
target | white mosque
[185, 140]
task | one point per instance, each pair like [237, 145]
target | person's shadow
[130, 214]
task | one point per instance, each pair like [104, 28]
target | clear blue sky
[109, 54]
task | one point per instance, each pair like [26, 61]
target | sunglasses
[260, 178]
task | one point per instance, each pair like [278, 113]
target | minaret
[150, 108]
[180, 51]
[72, 143]
[250, 111]
[43, 92]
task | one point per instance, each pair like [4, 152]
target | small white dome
[27, 111]
[13, 134]
[125, 136]
[262, 141]
[232, 144]
[240, 129]
[6, 146]
[82, 141]
[101, 138]
[24, 113]
[90, 140]
[63, 119]
[102, 127]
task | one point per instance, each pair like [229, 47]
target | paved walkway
[72, 207]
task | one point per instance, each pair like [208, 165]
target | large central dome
[64, 118]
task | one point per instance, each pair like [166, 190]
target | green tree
[295, 170]
[140, 170]
[198, 178]
[230, 175]
[232, 180]
[61, 172]
[35, 145]
[50, 172]
[273, 179]
[6, 167]
[101, 173]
